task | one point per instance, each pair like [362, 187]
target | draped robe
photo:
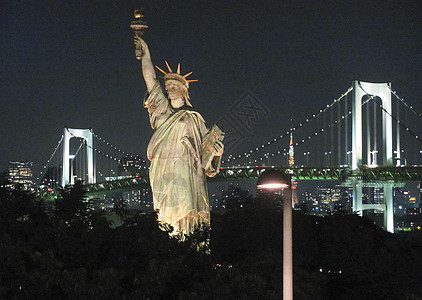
[176, 174]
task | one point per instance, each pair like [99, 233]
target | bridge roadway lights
[298, 173]
[369, 176]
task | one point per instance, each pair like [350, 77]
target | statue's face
[176, 93]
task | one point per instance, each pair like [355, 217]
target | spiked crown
[170, 75]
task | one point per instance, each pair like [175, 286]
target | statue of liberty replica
[182, 150]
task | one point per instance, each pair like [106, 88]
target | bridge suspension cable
[326, 127]
[307, 121]
[49, 160]
[398, 122]
[343, 117]
[319, 132]
[405, 104]
[115, 148]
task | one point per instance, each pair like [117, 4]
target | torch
[138, 25]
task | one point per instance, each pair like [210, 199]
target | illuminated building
[308, 202]
[132, 166]
[20, 173]
[139, 199]
[325, 199]
[234, 197]
[332, 198]
[136, 200]
[401, 201]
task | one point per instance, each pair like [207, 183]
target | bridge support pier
[389, 207]
[357, 196]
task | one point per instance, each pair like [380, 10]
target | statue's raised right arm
[147, 66]
[155, 100]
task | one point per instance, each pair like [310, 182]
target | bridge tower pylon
[87, 135]
[383, 91]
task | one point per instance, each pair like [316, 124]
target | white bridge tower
[383, 91]
[87, 135]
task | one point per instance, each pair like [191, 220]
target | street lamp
[275, 180]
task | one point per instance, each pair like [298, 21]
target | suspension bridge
[368, 136]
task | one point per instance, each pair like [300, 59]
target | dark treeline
[71, 252]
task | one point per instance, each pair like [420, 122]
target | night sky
[72, 63]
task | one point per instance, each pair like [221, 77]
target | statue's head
[177, 93]
[177, 86]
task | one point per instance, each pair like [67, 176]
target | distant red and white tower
[291, 150]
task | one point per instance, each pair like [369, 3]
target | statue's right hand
[139, 42]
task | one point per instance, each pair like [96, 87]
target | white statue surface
[182, 150]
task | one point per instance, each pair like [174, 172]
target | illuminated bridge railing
[116, 185]
[298, 173]
[377, 174]
[398, 174]
[382, 173]
[225, 174]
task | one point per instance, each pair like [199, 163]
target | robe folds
[177, 178]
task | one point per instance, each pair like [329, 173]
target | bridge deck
[377, 174]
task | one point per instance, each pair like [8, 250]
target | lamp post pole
[287, 245]
[275, 180]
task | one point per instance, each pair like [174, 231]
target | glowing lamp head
[272, 186]
[138, 13]
[273, 180]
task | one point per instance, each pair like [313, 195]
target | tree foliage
[73, 253]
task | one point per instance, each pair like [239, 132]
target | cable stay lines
[45, 167]
[306, 123]
[331, 132]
